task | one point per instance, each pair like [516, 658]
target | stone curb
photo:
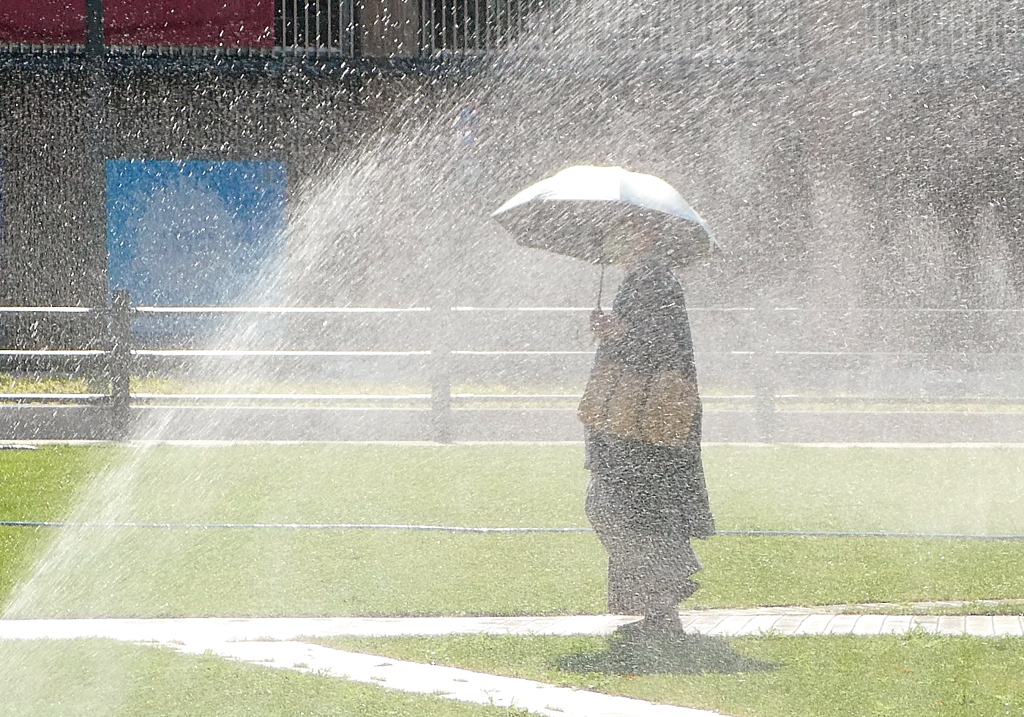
[726, 623]
[441, 681]
[273, 642]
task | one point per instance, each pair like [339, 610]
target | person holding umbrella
[641, 408]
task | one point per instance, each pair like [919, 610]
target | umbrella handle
[600, 288]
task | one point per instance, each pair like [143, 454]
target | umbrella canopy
[574, 212]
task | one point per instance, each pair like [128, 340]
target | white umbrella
[573, 212]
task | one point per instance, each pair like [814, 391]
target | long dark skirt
[648, 570]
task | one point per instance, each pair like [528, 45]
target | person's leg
[671, 562]
[624, 584]
[604, 508]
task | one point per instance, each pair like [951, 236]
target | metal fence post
[119, 361]
[95, 42]
[441, 378]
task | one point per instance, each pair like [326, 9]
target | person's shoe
[664, 623]
[630, 632]
[654, 634]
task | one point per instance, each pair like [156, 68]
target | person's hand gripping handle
[606, 326]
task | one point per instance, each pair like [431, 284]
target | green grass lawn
[40, 485]
[895, 676]
[98, 677]
[150, 572]
[217, 571]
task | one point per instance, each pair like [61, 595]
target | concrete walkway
[277, 643]
[785, 621]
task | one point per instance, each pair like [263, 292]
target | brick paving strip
[276, 642]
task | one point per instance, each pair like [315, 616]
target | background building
[831, 138]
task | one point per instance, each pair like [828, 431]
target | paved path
[727, 623]
[276, 642]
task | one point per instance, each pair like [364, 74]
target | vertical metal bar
[485, 37]
[490, 40]
[295, 23]
[347, 23]
[279, 25]
[439, 25]
[465, 25]
[305, 24]
[459, 25]
[477, 44]
[95, 40]
[445, 42]
[424, 24]
[504, 8]
[330, 25]
[119, 361]
[461, 14]
[434, 25]
[427, 26]
[353, 27]
[499, 33]
[318, 43]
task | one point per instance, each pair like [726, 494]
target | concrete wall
[60, 123]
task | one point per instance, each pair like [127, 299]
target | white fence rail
[512, 373]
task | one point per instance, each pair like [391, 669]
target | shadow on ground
[637, 653]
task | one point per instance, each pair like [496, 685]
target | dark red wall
[42, 21]
[237, 23]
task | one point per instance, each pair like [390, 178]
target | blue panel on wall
[196, 233]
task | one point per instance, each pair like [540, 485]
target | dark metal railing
[312, 26]
[713, 29]
[473, 26]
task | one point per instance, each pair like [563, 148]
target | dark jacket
[666, 486]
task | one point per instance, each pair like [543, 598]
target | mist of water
[836, 176]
